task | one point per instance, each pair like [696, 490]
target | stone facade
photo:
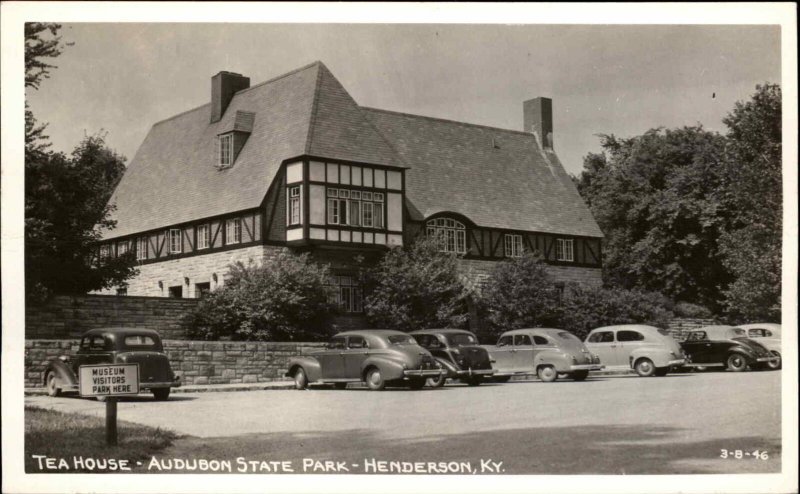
[70, 316]
[156, 279]
[679, 327]
[197, 362]
[477, 272]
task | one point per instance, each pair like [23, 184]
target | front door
[603, 345]
[523, 353]
[94, 350]
[699, 347]
[355, 355]
[331, 360]
[503, 354]
[628, 342]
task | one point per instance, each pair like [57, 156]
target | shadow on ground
[616, 450]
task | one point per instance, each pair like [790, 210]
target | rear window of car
[540, 340]
[356, 342]
[139, 340]
[564, 335]
[458, 339]
[401, 339]
[628, 335]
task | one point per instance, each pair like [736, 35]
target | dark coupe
[378, 357]
[725, 346]
[115, 346]
[458, 352]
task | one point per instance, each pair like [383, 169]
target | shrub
[520, 294]
[692, 311]
[585, 308]
[415, 288]
[282, 299]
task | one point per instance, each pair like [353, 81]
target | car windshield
[402, 339]
[567, 336]
[460, 339]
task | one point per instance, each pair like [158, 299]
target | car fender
[390, 369]
[552, 357]
[744, 351]
[63, 371]
[310, 365]
[451, 368]
[660, 358]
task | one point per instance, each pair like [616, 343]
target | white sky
[603, 79]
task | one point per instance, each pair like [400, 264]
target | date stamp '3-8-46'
[738, 454]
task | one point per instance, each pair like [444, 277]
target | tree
[752, 193]
[279, 300]
[415, 288]
[520, 293]
[656, 199]
[40, 45]
[65, 212]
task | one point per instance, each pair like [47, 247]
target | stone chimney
[223, 86]
[538, 119]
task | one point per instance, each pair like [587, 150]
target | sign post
[109, 381]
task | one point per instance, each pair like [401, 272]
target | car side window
[97, 343]
[522, 340]
[696, 336]
[602, 337]
[629, 336]
[356, 342]
[505, 341]
[336, 343]
[759, 333]
[540, 340]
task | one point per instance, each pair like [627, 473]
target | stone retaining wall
[70, 316]
[197, 362]
[681, 325]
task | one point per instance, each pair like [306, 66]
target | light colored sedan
[646, 349]
[769, 335]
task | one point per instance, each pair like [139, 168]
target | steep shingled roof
[495, 177]
[173, 179]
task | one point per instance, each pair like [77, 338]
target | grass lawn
[70, 436]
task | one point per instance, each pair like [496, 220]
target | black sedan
[458, 352]
[725, 346]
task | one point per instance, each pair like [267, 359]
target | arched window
[451, 234]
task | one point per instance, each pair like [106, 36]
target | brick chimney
[538, 119]
[223, 86]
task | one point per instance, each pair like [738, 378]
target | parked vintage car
[459, 354]
[378, 357]
[769, 335]
[115, 346]
[646, 349]
[546, 352]
[725, 346]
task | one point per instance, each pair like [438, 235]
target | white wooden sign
[109, 379]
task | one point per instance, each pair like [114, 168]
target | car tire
[437, 382]
[340, 385]
[547, 373]
[52, 385]
[775, 365]
[736, 362]
[416, 383]
[644, 367]
[375, 380]
[661, 371]
[161, 394]
[300, 379]
[579, 375]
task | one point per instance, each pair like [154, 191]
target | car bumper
[475, 372]
[423, 373]
[587, 367]
[767, 359]
[166, 384]
[682, 361]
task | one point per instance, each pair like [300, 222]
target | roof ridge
[287, 74]
[437, 119]
[314, 108]
[181, 114]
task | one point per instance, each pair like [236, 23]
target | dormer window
[225, 149]
[451, 234]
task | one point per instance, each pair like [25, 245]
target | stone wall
[69, 316]
[477, 271]
[197, 362]
[680, 326]
[187, 272]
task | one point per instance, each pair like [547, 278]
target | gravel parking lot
[607, 425]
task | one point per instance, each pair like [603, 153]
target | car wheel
[645, 368]
[300, 379]
[340, 385]
[52, 385]
[474, 381]
[776, 364]
[161, 394]
[547, 373]
[501, 379]
[416, 383]
[375, 380]
[737, 362]
[580, 375]
[438, 381]
[662, 371]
